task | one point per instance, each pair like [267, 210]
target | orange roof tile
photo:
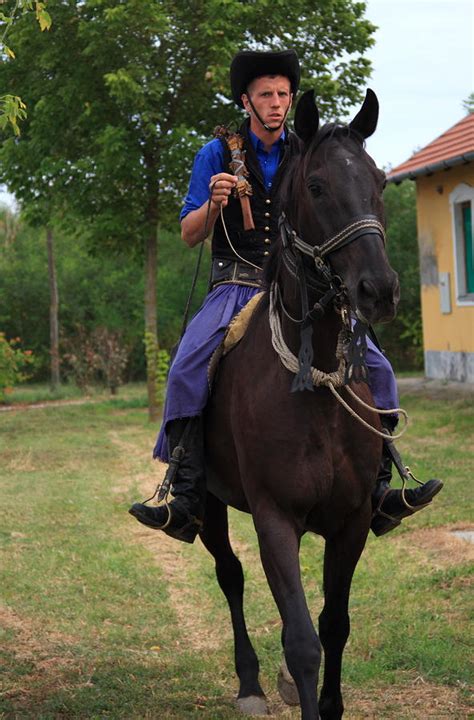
[454, 147]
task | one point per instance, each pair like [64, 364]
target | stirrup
[186, 530]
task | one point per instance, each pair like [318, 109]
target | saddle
[233, 335]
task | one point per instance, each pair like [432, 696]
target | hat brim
[248, 65]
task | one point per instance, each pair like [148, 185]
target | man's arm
[193, 225]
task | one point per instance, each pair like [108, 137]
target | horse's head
[335, 194]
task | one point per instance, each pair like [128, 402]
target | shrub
[111, 357]
[95, 357]
[79, 359]
[13, 360]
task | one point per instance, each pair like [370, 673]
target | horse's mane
[293, 185]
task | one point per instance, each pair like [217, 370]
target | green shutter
[468, 246]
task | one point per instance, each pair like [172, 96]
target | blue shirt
[210, 160]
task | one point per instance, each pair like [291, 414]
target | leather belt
[230, 271]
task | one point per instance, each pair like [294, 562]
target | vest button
[266, 228]
[267, 241]
[268, 201]
[267, 214]
[266, 253]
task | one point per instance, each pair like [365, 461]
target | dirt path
[46, 404]
[176, 560]
[436, 389]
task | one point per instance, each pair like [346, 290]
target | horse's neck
[325, 329]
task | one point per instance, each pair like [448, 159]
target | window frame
[461, 194]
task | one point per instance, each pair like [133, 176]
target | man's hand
[197, 224]
[221, 186]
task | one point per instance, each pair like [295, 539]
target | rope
[352, 412]
[290, 361]
[239, 165]
[232, 247]
[330, 380]
[196, 270]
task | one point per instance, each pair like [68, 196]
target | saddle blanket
[233, 335]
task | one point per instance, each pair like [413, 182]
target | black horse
[298, 461]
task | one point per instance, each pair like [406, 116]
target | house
[444, 176]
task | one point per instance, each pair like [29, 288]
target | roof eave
[397, 178]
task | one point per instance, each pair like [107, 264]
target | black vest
[253, 245]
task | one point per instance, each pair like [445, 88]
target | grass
[101, 618]
[31, 393]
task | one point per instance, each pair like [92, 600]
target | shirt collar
[258, 144]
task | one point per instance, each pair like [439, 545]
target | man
[264, 84]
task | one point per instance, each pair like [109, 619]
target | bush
[13, 360]
[94, 357]
[112, 357]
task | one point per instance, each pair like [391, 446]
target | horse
[298, 461]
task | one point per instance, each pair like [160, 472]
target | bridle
[363, 225]
[330, 291]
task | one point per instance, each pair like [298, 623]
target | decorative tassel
[356, 369]
[303, 379]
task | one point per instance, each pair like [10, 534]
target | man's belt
[230, 271]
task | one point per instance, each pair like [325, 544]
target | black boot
[391, 506]
[182, 517]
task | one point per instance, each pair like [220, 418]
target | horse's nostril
[367, 289]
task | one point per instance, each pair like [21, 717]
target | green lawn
[103, 618]
[32, 393]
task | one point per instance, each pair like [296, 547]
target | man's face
[271, 97]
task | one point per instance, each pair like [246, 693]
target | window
[462, 202]
[467, 238]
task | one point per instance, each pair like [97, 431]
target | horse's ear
[366, 119]
[306, 117]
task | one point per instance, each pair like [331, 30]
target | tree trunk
[53, 312]
[151, 334]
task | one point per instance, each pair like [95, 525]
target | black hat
[248, 65]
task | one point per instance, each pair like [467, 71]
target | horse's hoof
[286, 685]
[252, 705]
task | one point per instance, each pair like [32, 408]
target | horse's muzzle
[377, 297]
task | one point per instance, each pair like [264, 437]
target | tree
[123, 94]
[12, 108]
[468, 103]
[53, 311]
[402, 339]
[98, 291]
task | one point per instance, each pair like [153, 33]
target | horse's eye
[315, 189]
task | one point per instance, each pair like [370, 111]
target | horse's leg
[279, 549]
[341, 555]
[215, 536]
[285, 683]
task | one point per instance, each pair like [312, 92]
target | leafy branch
[12, 108]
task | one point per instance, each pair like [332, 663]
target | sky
[423, 69]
